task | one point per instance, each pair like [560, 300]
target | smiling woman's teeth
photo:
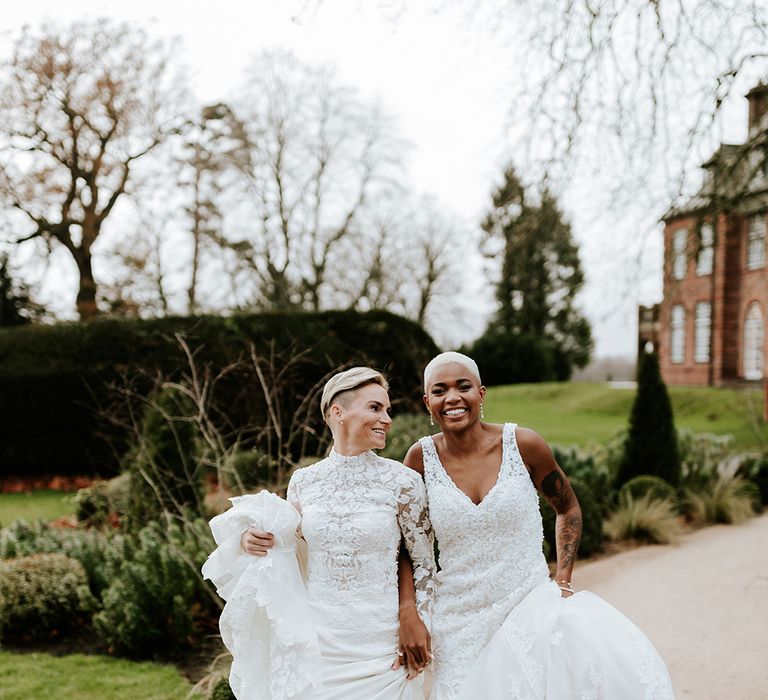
[455, 411]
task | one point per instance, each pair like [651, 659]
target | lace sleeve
[413, 517]
[292, 495]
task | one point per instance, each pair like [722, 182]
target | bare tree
[318, 156]
[79, 106]
[139, 284]
[411, 263]
[214, 146]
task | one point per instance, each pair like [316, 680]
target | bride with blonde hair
[353, 510]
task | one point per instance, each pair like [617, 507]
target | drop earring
[482, 415]
[431, 419]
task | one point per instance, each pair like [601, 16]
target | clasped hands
[415, 643]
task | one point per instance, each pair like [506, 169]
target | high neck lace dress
[354, 513]
[500, 627]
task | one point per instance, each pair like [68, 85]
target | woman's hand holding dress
[258, 542]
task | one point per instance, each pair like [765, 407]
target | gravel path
[703, 602]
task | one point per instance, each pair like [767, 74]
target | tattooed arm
[550, 480]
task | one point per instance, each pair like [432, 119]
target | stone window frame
[677, 335]
[753, 333]
[756, 242]
[706, 256]
[702, 332]
[679, 253]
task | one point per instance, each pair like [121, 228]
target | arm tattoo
[568, 525]
[552, 483]
[557, 491]
[568, 538]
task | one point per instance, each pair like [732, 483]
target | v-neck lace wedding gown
[354, 513]
[500, 627]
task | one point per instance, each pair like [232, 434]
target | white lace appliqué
[355, 513]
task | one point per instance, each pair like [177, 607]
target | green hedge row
[56, 381]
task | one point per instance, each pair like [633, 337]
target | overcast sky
[444, 86]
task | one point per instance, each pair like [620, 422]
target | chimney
[758, 106]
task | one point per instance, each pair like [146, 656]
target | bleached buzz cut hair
[340, 387]
[445, 358]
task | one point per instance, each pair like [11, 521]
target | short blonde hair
[346, 383]
[445, 358]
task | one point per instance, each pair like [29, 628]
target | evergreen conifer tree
[651, 445]
[538, 280]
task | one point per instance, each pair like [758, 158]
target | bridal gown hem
[501, 629]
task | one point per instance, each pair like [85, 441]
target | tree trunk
[86, 295]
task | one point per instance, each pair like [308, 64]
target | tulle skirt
[556, 648]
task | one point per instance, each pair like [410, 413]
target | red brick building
[711, 322]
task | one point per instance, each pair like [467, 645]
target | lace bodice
[490, 556]
[355, 511]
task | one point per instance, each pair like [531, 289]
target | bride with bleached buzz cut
[502, 628]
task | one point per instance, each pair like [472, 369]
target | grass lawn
[46, 505]
[575, 413]
[44, 677]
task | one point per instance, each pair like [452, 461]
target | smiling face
[454, 396]
[361, 419]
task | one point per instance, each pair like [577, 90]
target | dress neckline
[453, 484]
[350, 460]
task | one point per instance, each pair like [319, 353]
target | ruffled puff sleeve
[416, 529]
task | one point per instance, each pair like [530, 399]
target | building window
[703, 331]
[754, 334]
[679, 258]
[756, 242]
[677, 335]
[706, 250]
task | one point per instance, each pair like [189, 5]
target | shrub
[222, 691]
[594, 475]
[406, 429]
[609, 454]
[91, 548]
[42, 594]
[164, 473]
[755, 470]
[92, 506]
[592, 521]
[651, 446]
[157, 594]
[723, 501]
[753, 492]
[703, 457]
[246, 470]
[644, 517]
[656, 488]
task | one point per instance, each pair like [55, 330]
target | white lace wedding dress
[500, 627]
[354, 512]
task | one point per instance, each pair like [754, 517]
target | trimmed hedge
[41, 595]
[55, 380]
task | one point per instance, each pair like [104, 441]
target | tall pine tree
[651, 445]
[540, 274]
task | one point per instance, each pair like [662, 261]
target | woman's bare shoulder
[414, 458]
